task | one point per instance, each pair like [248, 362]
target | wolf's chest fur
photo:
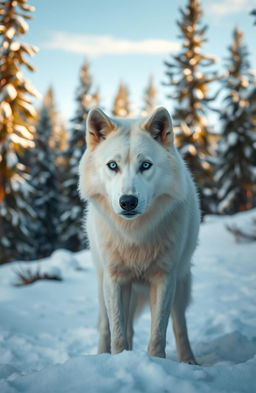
[133, 261]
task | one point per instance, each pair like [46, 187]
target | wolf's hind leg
[180, 303]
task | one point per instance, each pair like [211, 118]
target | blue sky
[124, 41]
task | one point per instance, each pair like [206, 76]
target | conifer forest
[40, 208]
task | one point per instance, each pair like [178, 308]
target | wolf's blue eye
[112, 165]
[145, 165]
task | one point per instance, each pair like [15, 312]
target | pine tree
[16, 131]
[252, 108]
[72, 237]
[121, 105]
[253, 13]
[237, 148]
[59, 138]
[44, 179]
[189, 83]
[150, 97]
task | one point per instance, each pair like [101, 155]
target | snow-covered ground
[48, 335]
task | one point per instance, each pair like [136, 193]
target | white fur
[147, 255]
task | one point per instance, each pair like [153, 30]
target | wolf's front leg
[103, 323]
[117, 297]
[162, 290]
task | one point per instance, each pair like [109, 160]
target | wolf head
[130, 165]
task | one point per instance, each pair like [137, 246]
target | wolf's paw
[118, 346]
[157, 354]
[191, 361]
[154, 350]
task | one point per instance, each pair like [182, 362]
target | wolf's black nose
[128, 202]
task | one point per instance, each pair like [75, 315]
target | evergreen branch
[28, 276]
[239, 234]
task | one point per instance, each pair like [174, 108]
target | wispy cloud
[97, 45]
[227, 7]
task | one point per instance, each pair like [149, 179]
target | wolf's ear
[98, 126]
[159, 125]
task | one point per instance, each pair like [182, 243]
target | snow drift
[48, 335]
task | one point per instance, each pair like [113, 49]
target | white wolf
[143, 222]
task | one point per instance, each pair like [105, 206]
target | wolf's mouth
[130, 213]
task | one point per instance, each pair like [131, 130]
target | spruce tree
[46, 196]
[59, 138]
[121, 105]
[150, 97]
[17, 115]
[252, 108]
[72, 235]
[236, 170]
[253, 13]
[189, 80]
